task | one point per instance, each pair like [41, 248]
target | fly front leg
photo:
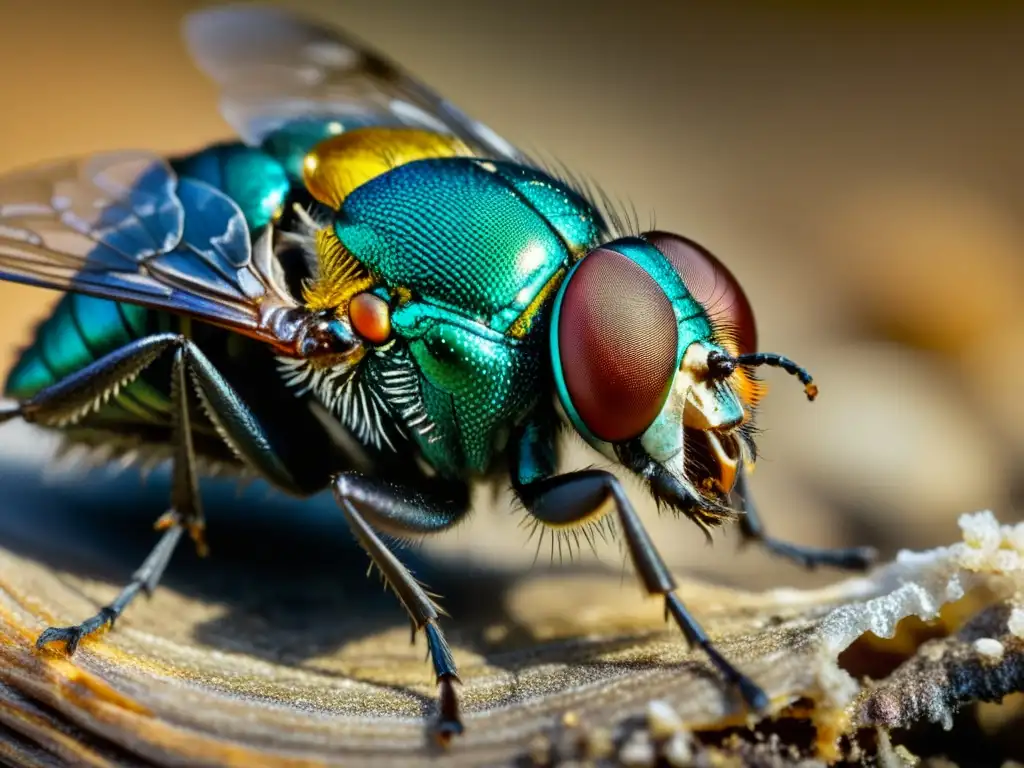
[752, 529]
[577, 497]
[372, 506]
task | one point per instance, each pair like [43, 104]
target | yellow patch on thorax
[336, 166]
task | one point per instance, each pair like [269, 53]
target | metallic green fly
[373, 293]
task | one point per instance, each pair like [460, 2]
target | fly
[369, 291]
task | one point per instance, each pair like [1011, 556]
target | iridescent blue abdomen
[81, 329]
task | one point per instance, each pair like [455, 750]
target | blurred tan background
[858, 167]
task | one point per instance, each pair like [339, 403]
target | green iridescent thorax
[475, 243]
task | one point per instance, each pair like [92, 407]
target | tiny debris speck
[989, 648]
[638, 751]
[662, 720]
[678, 751]
[540, 750]
[598, 744]
[1016, 622]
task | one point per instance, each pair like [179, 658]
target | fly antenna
[755, 359]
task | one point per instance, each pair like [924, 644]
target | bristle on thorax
[338, 276]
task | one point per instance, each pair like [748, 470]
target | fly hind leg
[144, 580]
[72, 398]
[371, 505]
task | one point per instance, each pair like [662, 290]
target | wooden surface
[278, 650]
[857, 166]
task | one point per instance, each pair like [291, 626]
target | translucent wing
[124, 226]
[275, 68]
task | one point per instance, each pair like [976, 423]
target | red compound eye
[617, 338]
[371, 317]
[712, 284]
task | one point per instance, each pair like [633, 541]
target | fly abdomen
[80, 330]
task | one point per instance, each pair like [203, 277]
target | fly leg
[144, 580]
[575, 498]
[371, 505]
[75, 396]
[852, 559]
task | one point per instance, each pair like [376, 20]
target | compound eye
[616, 336]
[714, 287]
[371, 317]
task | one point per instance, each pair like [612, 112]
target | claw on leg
[197, 532]
[406, 508]
[144, 580]
[449, 721]
[72, 636]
